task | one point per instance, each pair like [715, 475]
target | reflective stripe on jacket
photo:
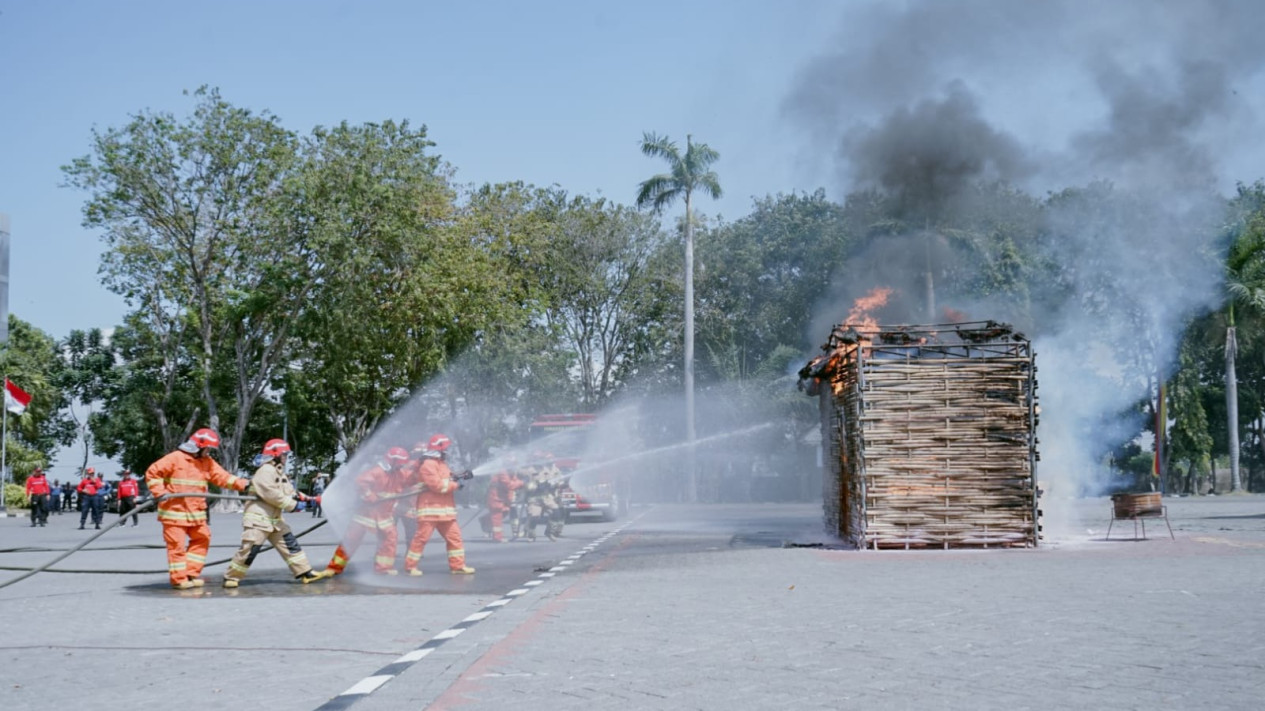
[436, 502]
[374, 484]
[275, 494]
[183, 473]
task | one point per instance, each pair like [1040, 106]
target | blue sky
[556, 92]
[559, 92]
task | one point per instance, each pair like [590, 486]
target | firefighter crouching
[185, 531]
[373, 513]
[500, 500]
[262, 521]
[437, 509]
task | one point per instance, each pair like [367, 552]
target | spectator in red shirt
[90, 494]
[37, 497]
[129, 490]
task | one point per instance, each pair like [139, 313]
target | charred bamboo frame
[932, 435]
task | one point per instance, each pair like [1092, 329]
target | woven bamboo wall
[931, 445]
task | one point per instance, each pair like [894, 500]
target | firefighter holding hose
[437, 509]
[188, 470]
[375, 511]
[501, 499]
[262, 521]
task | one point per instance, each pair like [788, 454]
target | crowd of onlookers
[92, 497]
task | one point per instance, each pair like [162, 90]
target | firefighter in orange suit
[262, 521]
[436, 509]
[373, 513]
[501, 498]
[188, 470]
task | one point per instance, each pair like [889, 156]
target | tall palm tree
[1245, 286]
[689, 172]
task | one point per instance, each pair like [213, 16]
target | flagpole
[4, 451]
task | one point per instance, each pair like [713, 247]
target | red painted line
[466, 688]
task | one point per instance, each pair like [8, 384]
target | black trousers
[126, 504]
[39, 508]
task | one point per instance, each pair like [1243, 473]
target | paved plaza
[675, 607]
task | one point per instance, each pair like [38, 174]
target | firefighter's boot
[463, 570]
[312, 576]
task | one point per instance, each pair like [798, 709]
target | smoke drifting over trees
[1132, 117]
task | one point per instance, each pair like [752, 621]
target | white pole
[4, 450]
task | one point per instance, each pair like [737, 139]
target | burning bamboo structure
[930, 433]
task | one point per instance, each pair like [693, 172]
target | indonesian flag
[15, 399]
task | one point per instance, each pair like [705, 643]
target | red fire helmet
[276, 447]
[204, 438]
[397, 455]
[439, 443]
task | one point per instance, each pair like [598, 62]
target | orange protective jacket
[183, 473]
[374, 484]
[436, 502]
[501, 491]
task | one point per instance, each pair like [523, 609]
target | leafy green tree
[198, 232]
[85, 376]
[31, 361]
[688, 172]
[763, 278]
[376, 207]
[151, 401]
[1191, 440]
[607, 291]
[1245, 287]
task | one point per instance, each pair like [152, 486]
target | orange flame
[860, 316]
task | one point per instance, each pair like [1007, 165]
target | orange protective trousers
[498, 520]
[186, 550]
[452, 536]
[383, 558]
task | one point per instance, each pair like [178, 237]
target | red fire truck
[589, 489]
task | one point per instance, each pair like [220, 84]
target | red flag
[15, 399]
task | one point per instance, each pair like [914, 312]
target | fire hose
[48, 567]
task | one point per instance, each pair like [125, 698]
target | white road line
[415, 655]
[367, 685]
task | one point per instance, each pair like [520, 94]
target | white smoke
[923, 99]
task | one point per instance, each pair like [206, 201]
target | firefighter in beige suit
[262, 522]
